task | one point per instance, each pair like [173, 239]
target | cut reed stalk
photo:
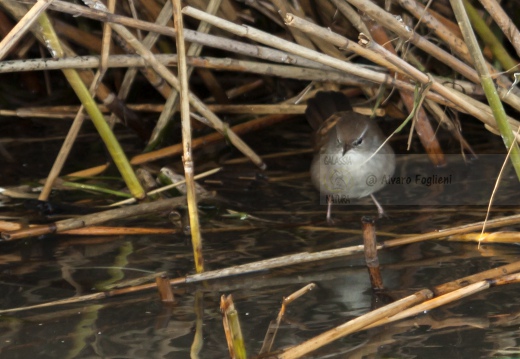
[165, 289]
[232, 329]
[371, 258]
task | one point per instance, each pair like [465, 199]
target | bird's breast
[356, 174]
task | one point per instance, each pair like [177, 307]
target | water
[287, 218]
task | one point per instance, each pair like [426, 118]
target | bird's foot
[380, 211]
[330, 221]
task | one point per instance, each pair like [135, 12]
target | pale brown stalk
[187, 158]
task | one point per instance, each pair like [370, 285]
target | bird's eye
[357, 142]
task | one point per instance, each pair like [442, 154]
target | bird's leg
[380, 210]
[329, 210]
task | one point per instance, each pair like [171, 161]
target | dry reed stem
[74, 79]
[197, 104]
[300, 38]
[168, 187]
[485, 275]
[187, 158]
[222, 64]
[436, 302]
[390, 22]
[452, 95]
[190, 35]
[446, 34]
[153, 77]
[270, 335]
[265, 9]
[19, 30]
[205, 140]
[175, 150]
[488, 85]
[438, 290]
[465, 287]
[232, 329]
[485, 109]
[63, 112]
[198, 336]
[370, 249]
[348, 45]
[276, 42]
[79, 37]
[70, 139]
[454, 41]
[351, 15]
[60, 159]
[508, 27]
[212, 84]
[352, 326]
[105, 43]
[443, 119]
[162, 19]
[355, 324]
[194, 50]
[491, 42]
[423, 126]
[493, 237]
[240, 89]
[334, 253]
[165, 289]
[118, 231]
[92, 219]
[90, 172]
[18, 10]
[279, 43]
[326, 48]
[6, 226]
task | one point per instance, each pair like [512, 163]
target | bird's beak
[346, 148]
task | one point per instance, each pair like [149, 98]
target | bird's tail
[324, 105]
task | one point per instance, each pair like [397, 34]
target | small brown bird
[348, 162]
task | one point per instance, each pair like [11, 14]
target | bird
[350, 160]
